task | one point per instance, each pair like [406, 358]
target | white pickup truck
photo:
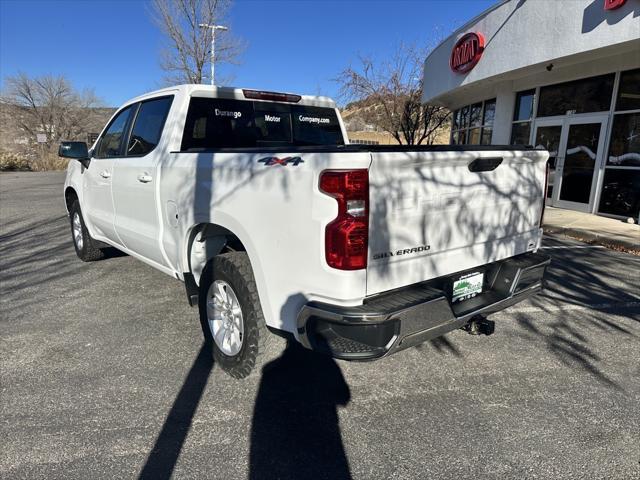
[279, 228]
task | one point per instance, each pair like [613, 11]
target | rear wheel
[225, 319]
[85, 246]
[231, 315]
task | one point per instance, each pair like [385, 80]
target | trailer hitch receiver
[479, 325]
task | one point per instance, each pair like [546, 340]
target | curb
[591, 237]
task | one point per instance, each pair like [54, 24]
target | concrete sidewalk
[592, 228]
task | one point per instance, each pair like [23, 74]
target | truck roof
[200, 90]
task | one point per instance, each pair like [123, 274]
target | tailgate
[434, 213]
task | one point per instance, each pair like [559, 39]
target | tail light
[346, 238]
[544, 192]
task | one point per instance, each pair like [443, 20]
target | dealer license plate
[467, 286]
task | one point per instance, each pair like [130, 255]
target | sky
[295, 46]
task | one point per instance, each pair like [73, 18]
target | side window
[148, 126]
[111, 142]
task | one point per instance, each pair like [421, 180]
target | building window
[521, 128]
[580, 96]
[487, 122]
[524, 105]
[629, 91]
[520, 133]
[620, 193]
[473, 124]
[624, 147]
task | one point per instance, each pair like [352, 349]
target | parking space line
[598, 306]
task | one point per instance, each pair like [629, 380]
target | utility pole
[213, 29]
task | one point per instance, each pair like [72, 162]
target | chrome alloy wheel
[77, 231]
[225, 317]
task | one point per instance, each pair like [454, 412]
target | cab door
[135, 182]
[97, 203]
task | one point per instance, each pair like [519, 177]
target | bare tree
[188, 52]
[388, 95]
[49, 105]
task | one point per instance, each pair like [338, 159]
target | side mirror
[76, 150]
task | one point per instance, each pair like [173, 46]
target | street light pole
[213, 49]
[213, 29]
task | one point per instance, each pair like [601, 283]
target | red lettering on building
[613, 4]
[467, 52]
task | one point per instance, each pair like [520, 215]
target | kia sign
[613, 4]
[466, 52]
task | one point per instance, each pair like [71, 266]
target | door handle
[105, 174]
[144, 178]
[485, 164]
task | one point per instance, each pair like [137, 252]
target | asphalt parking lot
[103, 376]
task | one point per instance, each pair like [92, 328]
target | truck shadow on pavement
[295, 431]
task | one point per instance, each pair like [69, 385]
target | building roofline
[466, 25]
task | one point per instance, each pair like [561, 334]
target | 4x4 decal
[269, 161]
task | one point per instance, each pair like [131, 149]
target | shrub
[49, 161]
[13, 162]
[25, 163]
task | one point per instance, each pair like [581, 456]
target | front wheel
[231, 315]
[85, 245]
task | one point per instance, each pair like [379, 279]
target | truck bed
[369, 148]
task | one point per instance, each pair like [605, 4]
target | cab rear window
[221, 123]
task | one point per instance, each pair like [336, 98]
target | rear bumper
[402, 318]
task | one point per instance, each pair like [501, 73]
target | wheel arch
[205, 241]
[70, 195]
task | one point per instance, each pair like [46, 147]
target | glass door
[575, 145]
[582, 150]
[547, 135]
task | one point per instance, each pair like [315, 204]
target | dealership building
[563, 74]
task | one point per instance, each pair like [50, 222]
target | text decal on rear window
[314, 119]
[225, 113]
[214, 123]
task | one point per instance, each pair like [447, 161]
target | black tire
[258, 343]
[88, 251]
